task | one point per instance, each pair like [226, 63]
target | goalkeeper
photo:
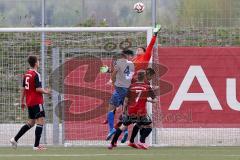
[143, 55]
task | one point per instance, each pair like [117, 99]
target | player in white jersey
[121, 78]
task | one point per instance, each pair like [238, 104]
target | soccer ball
[138, 7]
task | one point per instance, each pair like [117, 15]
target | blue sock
[126, 131]
[110, 118]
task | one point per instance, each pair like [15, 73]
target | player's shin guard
[38, 133]
[116, 136]
[22, 131]
[134, 133]
[110, 118]
[144, 133]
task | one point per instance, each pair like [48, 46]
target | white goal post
[80, 29]
[65, 43]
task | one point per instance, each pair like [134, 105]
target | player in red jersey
[135, 106]
[145, 130]
[149, 76]
[32, 97]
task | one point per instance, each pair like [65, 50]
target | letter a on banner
[207, 95]
[232, 94]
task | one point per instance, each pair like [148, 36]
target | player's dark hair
[143, 48]
[32, 60]
[150, 71]
[128, 52]
[141, 76]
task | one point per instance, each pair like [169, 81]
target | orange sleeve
[149, 48]
[142, 60]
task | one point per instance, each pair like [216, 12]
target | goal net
[70, 60]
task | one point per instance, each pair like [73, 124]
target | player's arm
[38, 86]
[152, 100]
[113, 76]
[22, 98]
[22, 95]
[149, 48]
[22, 92]
[43, 90]
[152, 97]
[114, 62]
[114, 73]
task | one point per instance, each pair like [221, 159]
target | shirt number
[127, 71]
[27, 83]
[139, 92]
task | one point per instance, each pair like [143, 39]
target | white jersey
[125, 72]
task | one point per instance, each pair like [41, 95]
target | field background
[124, 153]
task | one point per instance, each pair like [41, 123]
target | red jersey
[31, 81]
[137, 98]
[141, 61]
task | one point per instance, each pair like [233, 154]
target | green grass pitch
[122, 153]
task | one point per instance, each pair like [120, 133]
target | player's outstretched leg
[20, 133]
[115, 138]
[13, 143]
[112, 130]
[114, 103]
[106, 120]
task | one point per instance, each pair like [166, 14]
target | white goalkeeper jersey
[125, 72]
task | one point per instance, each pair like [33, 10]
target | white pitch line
[71, 155]
[95, 155]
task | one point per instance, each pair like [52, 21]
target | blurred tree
[90, 22]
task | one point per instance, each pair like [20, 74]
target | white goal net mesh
[79, 102]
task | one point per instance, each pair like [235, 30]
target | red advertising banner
[205, 87]
[198, 88]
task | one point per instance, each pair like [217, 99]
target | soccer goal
[70, 59]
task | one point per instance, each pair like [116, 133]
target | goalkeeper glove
[157, 29]
[104, 69]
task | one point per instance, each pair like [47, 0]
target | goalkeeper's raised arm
[143, 55]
